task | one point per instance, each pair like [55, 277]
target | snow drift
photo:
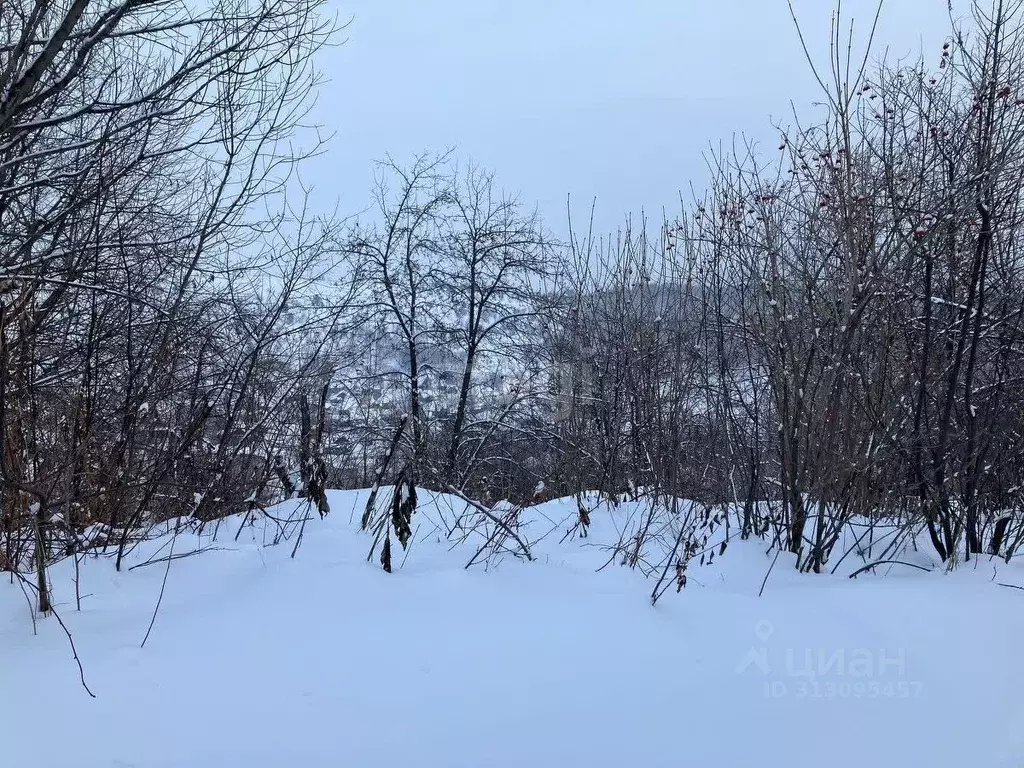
[259, 659]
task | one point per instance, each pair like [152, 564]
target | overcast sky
[616, 100]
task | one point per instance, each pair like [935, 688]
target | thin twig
[163, 585]
[768, 573]
[869, 566]
[74, 652]
[178, 556]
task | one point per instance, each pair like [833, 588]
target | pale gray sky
[613, 99]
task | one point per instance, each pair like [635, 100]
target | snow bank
[260, 660]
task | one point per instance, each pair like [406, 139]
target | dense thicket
[833, 330]
[149, 262]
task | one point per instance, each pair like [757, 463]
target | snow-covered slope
[260, 660]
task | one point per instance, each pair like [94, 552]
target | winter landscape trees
[152, 266]
[832, 330]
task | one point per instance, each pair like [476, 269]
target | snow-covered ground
[257, 659]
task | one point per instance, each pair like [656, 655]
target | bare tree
[140, 150]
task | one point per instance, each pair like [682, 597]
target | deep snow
[260, 660]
